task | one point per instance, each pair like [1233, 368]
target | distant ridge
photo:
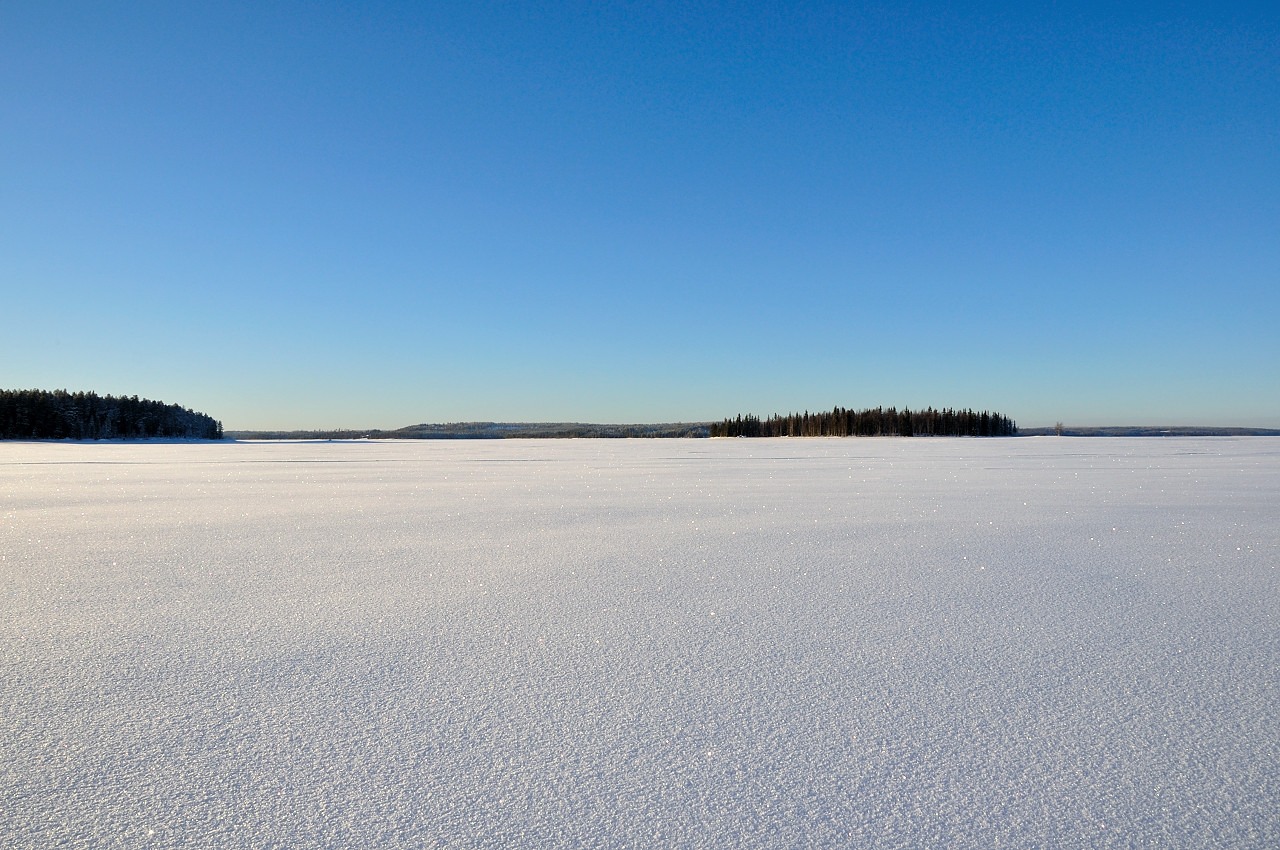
[489, 431]
[1148, 431]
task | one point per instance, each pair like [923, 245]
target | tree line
[880, 422]
[57, 415]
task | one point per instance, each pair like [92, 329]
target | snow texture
[873, 643]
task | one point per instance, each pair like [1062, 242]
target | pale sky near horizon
[317, 215]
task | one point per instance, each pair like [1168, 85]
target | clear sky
[313, 215]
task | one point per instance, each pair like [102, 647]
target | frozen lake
[874, 643]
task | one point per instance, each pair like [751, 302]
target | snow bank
[733, 643]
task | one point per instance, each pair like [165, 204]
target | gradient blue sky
[307, 215]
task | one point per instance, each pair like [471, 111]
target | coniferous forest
[44, 415]
[880, 422]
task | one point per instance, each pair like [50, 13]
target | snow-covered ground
[1036, 642]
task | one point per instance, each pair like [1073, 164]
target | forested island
[880, 422]
[60, 415]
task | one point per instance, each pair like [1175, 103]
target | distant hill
[489, 431]
[1149, 431]
[60, 415]
[500, 430]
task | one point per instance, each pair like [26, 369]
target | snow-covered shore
[1040, 642]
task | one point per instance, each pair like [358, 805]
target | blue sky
[313, 215]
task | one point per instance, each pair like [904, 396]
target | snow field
[1036, 642]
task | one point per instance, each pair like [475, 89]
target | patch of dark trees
[60, 415]
[880, 422]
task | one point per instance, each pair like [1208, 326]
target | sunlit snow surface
[1035, 642]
